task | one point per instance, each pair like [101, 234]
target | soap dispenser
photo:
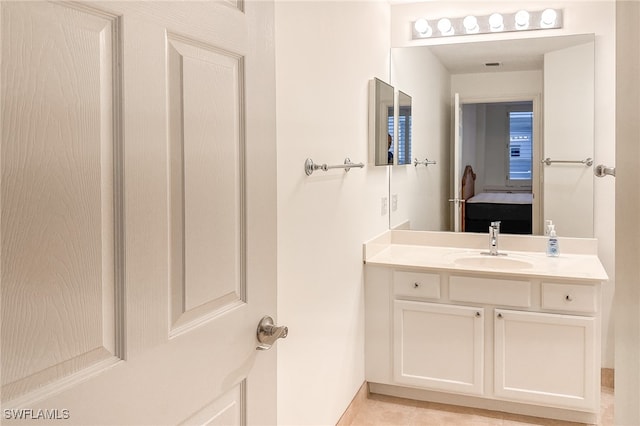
[553, 249]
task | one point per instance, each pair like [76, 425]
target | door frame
[537, 175]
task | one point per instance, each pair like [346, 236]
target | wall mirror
[381, 122]
[492, 112]
[390, 124]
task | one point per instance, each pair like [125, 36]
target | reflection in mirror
[556, 73]
[381, 112]
[404, 121]
[497, 141]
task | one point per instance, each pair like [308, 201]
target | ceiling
[513, 55]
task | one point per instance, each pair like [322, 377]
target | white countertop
[396, 251]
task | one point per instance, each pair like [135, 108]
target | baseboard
[606, 375]
[607, 378]
[349, 414]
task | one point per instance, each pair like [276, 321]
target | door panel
[59, 271]
[206, 125]
[138, 211]
[226, 410]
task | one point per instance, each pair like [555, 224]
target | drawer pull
[478, 314]
[416, 285]
[568, 298]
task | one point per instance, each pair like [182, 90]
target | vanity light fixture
[470, 24]
[422, 27]
[522, 20]
[496, 22]
[548, 18]
[445, 27]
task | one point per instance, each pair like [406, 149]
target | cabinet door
[439, 347]
[546, 359]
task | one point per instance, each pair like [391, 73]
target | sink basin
[499, 262]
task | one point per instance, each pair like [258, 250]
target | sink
[499, 262]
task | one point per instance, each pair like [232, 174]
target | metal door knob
[268, 333]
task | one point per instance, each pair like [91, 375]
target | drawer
[492, 291]
[569, 297]
[416, 284]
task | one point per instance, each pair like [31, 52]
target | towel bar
[310, 166]
[426, 162]
[588, 162]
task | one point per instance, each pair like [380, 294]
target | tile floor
[378, 410]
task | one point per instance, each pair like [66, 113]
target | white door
[456, 199]
[138, 212]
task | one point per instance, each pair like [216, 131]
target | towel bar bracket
[602, 171]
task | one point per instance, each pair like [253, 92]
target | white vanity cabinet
[547, 359]
[438, 346]
[521, 344]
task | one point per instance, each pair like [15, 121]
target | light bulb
[496, 22]
[470, 24]
[548, 18]
[445, 27]
[423, 28]
[522, 20]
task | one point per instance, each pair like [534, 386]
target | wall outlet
[394, 202]
[384, 206]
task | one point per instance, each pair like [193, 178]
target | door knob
[268, 333]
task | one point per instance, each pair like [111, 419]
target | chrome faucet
[494, 232]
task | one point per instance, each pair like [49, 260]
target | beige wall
[326, 52]
[627, 300]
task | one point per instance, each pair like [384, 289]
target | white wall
[580, 17]
[422, 189]
[473, 125]
[496, 84]
[501, 86]
[568, 80]
[326, 52]
[627, 180]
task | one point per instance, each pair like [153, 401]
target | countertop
[422, 253]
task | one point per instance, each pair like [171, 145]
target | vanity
[519, 332]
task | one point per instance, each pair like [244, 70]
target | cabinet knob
[568, 298]
[416, 285]
[478, 314]
[499, 315]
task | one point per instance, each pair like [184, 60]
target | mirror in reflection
[403, 126]
[497, 141]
